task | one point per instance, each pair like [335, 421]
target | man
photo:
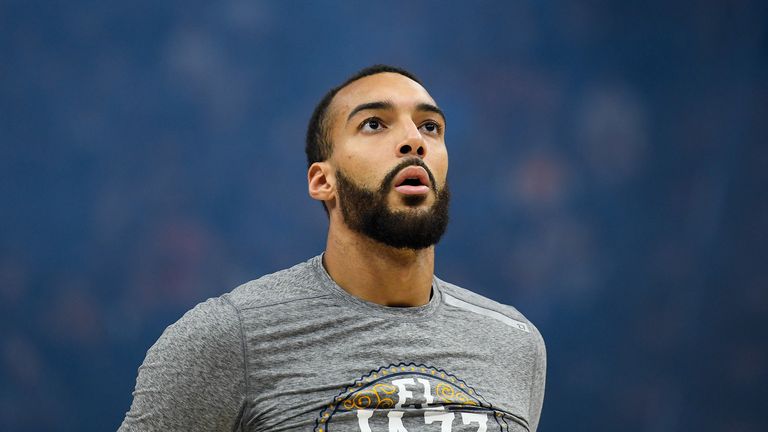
[363, 337]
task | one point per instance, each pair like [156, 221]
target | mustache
[385, 184]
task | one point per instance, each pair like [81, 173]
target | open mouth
[412, 180]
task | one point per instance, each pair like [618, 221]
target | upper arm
[193, 377]
[538, 381]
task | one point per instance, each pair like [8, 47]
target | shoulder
[293, 283]
[219, 318]
[212, 326]
[454, 296]
[193, 377]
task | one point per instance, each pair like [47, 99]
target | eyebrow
[387, 105]
[430, 108]
[379, 105]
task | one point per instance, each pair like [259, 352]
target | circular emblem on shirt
[411, 397]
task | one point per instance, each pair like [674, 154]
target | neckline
[402, 313]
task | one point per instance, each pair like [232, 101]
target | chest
[338, 371]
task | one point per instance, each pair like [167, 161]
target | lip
[412, 172]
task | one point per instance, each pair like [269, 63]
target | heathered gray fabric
[294, 351]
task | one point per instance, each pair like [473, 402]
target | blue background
[608, 164]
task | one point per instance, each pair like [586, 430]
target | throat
[380, 274]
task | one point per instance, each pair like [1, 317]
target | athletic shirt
[293, 351]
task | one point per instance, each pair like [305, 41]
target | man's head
[377, 158]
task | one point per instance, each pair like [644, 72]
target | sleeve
[193, 377]
[538, 382]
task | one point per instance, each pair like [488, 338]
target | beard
[366, 211]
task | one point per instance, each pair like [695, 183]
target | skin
[363, 267]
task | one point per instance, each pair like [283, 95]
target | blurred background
[608, 163]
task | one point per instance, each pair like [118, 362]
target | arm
[539, 379]
[193, 377]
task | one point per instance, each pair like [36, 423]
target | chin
[415, 201]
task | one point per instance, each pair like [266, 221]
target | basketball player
[363, 337]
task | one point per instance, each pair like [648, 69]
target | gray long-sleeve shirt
[294, 351]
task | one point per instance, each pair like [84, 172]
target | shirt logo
[410, 397]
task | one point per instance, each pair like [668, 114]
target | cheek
[362, 171]
[439, 166]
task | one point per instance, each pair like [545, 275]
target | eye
[431, 127]
[373, 124]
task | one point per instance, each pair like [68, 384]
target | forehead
[386, 86]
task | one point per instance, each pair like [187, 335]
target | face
[390, 161]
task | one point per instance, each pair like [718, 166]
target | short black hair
[319, 146]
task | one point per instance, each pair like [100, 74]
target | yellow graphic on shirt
[410, 397]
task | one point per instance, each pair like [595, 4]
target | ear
[321, 181]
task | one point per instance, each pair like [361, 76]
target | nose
[413, 144]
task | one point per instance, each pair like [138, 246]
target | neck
[378, 273]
